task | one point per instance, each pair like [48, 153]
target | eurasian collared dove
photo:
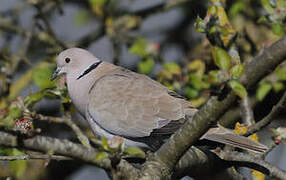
[118, 102]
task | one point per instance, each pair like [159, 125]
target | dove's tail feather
[225, 136]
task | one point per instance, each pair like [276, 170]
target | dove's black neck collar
[89, 69]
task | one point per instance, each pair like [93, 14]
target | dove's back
[133, 105]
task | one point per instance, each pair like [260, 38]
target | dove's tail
[226, 136]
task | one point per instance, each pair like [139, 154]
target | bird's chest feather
[78, 91]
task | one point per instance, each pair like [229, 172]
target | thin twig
[165, 6]
[34, 156]
[246, 111]
[21, 54]
[117, 51]
[85, 41]
[49, 28]
[40, 36]
[266, 120]
[252, 162]
[80, 135]
[57, 146]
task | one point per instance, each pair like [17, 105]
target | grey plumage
[119, 102]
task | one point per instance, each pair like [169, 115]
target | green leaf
[238, 88]
[221, 58]
[135, 152]
[139, 47]
[278, 86]
[237, 70]
[236, 8]
[213, 76]
[84, 140]
[263, 90]
[41, 76]
[280, 73]
[267, 6]
[191, 92]
[146, 66]
[81, 17]
[212, 10]
[198, 66]
[97, 2]
[278, 29]
[3, 151]
[195, 81]
[263, 19]
[169, 86]
[100, 156]
[281, 3]
[34, 98]
[104, 142]
[18, 167]
[200, 25]
[15, 112]
[172, 67]
[212, 30]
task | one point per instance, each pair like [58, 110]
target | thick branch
[62, 147]
[163, 161]
[65, 148]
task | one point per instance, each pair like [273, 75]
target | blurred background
[168, 40]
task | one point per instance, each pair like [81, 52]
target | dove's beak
[56, 74]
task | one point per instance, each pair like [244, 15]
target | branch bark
[266, 120]
[61, 147]
[249, 160]
[162, 162]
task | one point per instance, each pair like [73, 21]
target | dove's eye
[67, 60]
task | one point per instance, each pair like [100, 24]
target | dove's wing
[133, 105]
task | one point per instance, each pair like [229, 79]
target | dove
[118, 102]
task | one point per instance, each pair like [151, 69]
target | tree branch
[80, 135]
[161, 164]
[246, 111]
[266, 120]
[61, 147]
[253, 162]
[34, 156]
[49, 28]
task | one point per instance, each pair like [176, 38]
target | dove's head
[75, 61]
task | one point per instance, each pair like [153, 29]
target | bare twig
[266, 120]
[21, 55]
[66, 120]
[232, 115]
[69, 149]
[34, 156]
[41, 36]
[85, 41]
[246, 111]
[62, 147]
[165, 6]
[49, 28]
[116, 50]
[253, 162]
